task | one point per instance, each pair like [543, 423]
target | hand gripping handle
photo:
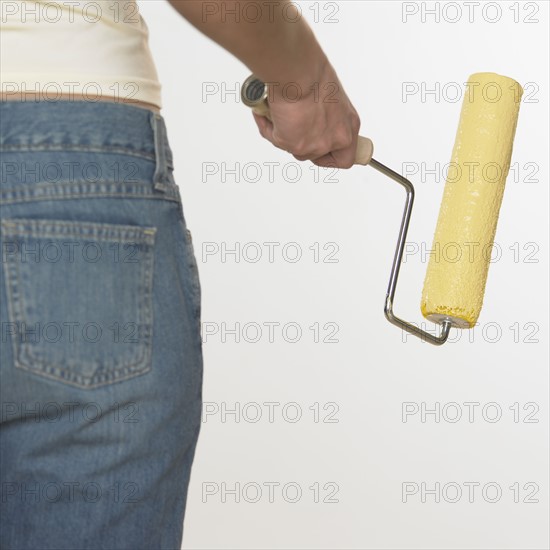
[254, 94]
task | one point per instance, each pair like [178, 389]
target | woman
[101, 357]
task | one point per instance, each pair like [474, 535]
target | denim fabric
[101, 351]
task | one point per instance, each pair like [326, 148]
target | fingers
[338, 148]
[321, 154]
[342, 158]
[267, 131]
[265, 126]
[326, 161]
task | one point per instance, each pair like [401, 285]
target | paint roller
[457, 270]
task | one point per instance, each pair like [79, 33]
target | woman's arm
[277, 45]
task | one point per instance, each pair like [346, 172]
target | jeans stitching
[77, 148]
[30, 196]
[16, 306]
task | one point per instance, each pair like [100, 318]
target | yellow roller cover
[461, 252]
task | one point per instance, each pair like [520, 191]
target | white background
[370, 452]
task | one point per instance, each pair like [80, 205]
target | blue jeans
[101, 350]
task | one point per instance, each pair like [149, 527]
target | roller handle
[260, 106]
[254, 95]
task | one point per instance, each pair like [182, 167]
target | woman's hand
[312, 120]
[319, 123]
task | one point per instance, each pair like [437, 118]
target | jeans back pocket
[80, 299]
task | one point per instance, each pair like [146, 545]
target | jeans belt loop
[160, 179]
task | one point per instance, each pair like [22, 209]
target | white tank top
[70, 47]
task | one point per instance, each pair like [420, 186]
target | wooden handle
[365, 150]
[365, 147]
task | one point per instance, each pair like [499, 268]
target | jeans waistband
[82, 127]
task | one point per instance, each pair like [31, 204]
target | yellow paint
[458, 266]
